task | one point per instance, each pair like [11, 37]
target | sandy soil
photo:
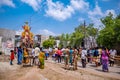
[52, 71]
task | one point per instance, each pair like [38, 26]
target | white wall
[0, 43]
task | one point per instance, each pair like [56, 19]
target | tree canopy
[49, 43]
[109, 36]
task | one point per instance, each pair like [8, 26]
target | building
[38, 39]
[43, 38]
[7, 39]
[90, 42]
[10, 39]
[0, 43]
[7, 34]
[57, 43]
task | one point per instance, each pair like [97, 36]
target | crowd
[69, 56]
[28, 56]
[99, 56]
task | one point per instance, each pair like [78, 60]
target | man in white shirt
[37, 51]
[83, 57]
[112, 56]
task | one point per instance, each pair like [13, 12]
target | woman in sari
[41, 59]
[104, 56]
[66, 53]
[75, 59]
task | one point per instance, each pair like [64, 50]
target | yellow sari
[41, 59]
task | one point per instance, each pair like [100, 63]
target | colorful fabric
[12, 56]
[104, 65]
[59, 52]
[66, 57]
[46, 54]
[25, 53]
[37, 51]
[41, 60]
[41, 63]
[71, 53]
[104, 61]
[20, 54]
[83, 63]
[75, 58]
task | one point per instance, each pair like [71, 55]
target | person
[71, 56]
[75, 58]
[104, 57]
[99, 57]
[63, 56]
[20, 55]
[46, 53]
[96, 56]
[56, 55]
[59, 53]
[41, 59]
[11, 57]
[83, 57]
[53, 55]
[91, 55]
[80, 50]
[15, 50]
[25, 55]
[88, 54]
[66, 58]
[112, 56]
[37, 51]
[93, 50]
[33, 56]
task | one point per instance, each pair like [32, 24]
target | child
[11, 57]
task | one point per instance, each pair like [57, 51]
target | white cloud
[47, 32]
[96, 12]
[79, 4]
[33, 3]
[60, 12]
[7, 3]
[95, 15]
[112, 11]
[96, 21]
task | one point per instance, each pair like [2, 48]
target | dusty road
[55, 71]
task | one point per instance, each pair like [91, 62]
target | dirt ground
[52, 71]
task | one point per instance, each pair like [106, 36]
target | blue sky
[53, 17]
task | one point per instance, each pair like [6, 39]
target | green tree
[50, 42]
[64, 40]
[77, 36]
[109, 36]
[93, 32]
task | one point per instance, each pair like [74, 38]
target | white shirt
[33, 52]
[83, 54]
[37, 51]
[113, 53]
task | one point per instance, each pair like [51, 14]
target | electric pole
[84, 34]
